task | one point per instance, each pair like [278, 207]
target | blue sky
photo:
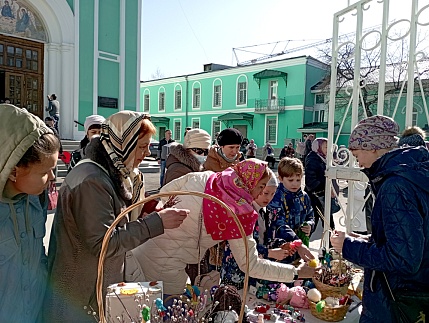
[180, 36]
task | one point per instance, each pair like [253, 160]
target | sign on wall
[17, 19]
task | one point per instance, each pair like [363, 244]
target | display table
[351, 317]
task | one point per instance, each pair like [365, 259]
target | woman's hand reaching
[173, 218]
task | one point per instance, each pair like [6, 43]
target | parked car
[153, 147]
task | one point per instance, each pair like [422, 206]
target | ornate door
[21, 73]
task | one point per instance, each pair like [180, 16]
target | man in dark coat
[398, 249]
[162, 155]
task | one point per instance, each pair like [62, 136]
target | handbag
[408, 306]
[211, 279]
[52, 196]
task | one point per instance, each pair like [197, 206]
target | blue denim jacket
[23, 262]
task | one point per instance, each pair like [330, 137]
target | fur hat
[197, 138]
[376, 132]
[229, 136]
[94, 119]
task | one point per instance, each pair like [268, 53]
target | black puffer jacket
[399, 245]
[179, 163]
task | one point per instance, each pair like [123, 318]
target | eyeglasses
[200, 151]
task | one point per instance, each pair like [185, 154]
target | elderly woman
[397, 253]
[188, 157]
[93, 194]
[226, 153]
[315, 180]
[165, 257]
[92, 128]
[28, 158]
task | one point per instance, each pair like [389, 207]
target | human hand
[305, 253]
[278, 253]
[332, 193]
[173, 218]
[306, 229]
[337, 240]
[305, 271]
[159, 161]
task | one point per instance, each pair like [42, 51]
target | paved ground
[152, 183]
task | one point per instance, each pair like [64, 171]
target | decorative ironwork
[269, 106]
[380, 79]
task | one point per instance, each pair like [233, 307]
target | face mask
[201, 159]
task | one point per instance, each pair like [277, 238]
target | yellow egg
[313, 263]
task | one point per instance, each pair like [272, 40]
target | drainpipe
[186, 101]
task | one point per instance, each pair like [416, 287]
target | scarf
[119, 135]
[233, 186]
[316, 146]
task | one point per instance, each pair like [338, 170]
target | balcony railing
[270, 105]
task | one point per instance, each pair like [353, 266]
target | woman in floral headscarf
[165, 257]
[93, 194]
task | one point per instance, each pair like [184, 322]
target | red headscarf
[233, 186]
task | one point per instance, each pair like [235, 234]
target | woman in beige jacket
[165, 257]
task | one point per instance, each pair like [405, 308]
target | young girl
[165, 257]
[29, 156]
[230, 272]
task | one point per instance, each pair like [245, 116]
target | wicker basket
[108, 234]
[328, 290]
[329, 314]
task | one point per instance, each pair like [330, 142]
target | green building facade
[267, 101]
[86, 52]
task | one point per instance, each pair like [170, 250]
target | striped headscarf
[119, 135]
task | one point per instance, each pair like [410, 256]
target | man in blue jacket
[399, 246]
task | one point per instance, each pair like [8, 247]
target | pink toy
[283, 294]
[299, 297]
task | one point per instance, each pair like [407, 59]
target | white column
[53, 74]
[67, 91]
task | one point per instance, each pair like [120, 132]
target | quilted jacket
[399, 245]
[165, 257]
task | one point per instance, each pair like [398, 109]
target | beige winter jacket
[165, 257]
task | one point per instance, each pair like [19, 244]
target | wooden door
[21, 73]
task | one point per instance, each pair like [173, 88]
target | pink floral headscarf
[232, 186]
[316, 146]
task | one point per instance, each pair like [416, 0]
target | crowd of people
[161, 244]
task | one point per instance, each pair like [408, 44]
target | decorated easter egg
[313, 263]
[314, 295]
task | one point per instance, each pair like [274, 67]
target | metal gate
[381, 71]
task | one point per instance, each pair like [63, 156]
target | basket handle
[107, 235]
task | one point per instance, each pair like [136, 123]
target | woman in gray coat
[93, 194]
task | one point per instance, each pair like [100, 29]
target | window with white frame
[177, 129]
[178, 99]
[320, 99]
[146, 103]
[271, 128]
[241, 93]
[196, 98]
[319, 115]
[161, 101]
[414, 121]
[215, 127]
[217, 95]
[195, 123]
